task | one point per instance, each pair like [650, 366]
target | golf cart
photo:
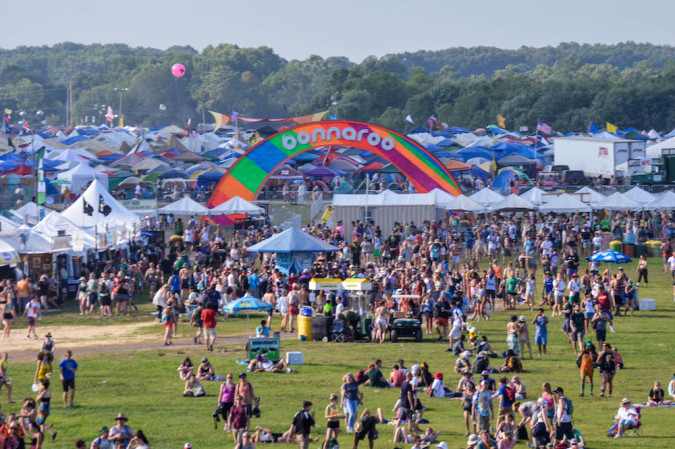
[402, 326]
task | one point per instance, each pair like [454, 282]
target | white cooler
[295, 358]
[647, 304]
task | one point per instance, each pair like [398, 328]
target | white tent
[654, 151]
[639, 195]
[88, 210]
[81, 175]
[50, 226]
[8, 255]
[71, 155]
[34, 243]
[616, 201]
[184, 206]
[30, 213]
[664, 202]
[8, 225]
[565, 204]
[590, 195]
[512, 203]
[534, 196]
[237, 205]
[486, 197]
[464, 203]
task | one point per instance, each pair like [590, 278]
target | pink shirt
[227, 393]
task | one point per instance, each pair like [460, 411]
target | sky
[356, 29]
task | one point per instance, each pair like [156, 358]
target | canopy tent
[247, 304]
[565, 204]
[534, 196]
[8, 255]
[321, 172]
[654, 151]
[512, 203]
[639, 195]
[464, 203]
[664, 202]
[184, 206]
[486, 197]
[286, 173]
[292, 240]
[81, 175]
[8, 225]
[237, 205]
[52, 224]
[96, 207]
[30, 213]
[616, 201]
[591, 195]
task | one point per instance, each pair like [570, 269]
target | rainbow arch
[247, 176]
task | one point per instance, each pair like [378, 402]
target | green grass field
[145, 385]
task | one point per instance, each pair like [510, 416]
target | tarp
[513, 203]
[237, 205]
[486, 197]
[664, 202]
[184, 206]
[565, 204]
[616, 201]
[639, 195]
[292, 240]
[81, 175]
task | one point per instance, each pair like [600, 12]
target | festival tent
[8, 255]
[81, 175]
[148, 164]
[184, 206]
[486, 197]
[97, 207]
[50, 226]
[237, 205]
[664, 202]
[70, 155]
[512, 203]
[639, 195]
[321, 172]
[23, 241]
[616, 201]
[591, 195]
[534, 196]
[30, 213]
[292, 240]
[8, 225]
[464, 203]
[286, 173]
[565, 204]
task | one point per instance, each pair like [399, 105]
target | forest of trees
[567, 86]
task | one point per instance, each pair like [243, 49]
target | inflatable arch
[250, 172]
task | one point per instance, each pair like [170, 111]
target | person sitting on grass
[261, 364]
[375, 377]
[438, 388]
[512, 363]
[671, 388]
[657, 396]
[185, 369]
[193, 388]
[463, 363]
[205, 370]
[265, 435]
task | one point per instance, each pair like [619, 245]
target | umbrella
[610, 256]
[247, 304]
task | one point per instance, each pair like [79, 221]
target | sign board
[356, 284]
[325, 284]
[267, 346]
[61, 242]
[140, 204]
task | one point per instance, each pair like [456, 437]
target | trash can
[607, 237]
[629, 238]
[304, 328]
[616, 245]
[366, 327]
[321, 325]
[653, 248]
[629, 249]
[640, 249]
[306, 311]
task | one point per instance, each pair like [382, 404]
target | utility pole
[121, 90]
[70, 101]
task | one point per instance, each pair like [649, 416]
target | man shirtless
[524, 335]
[512, 335]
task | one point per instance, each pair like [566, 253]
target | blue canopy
[432, 147]
[173, 174]
[502, 182]
[475, 151]
[247, 304]
[609, 256]
[419, 129]
[74, 139]
[292, 240]
[478, 172]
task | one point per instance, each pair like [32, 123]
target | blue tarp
[209, 178]
[111, 157]
[173, 174]
[75, 139]
[433, 148]
[292, 240]
[477, 151]
[501, 182]
[10, 157]
[511, 147]
[419, 129]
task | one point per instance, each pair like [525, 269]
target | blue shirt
[548, 285]
[68, 368]
[253, 281]
[542, 323]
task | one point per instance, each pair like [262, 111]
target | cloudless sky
[356, 29]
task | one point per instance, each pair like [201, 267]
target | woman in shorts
[333, 417]
[104, 298]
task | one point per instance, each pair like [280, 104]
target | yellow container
[304, 328]
[615, 245]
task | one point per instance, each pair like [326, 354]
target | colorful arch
[246, 177]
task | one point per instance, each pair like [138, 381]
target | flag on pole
[543, 127]
[612, 128]
[235, 115]
[431, 121]
[593, 129]
[109, 115]
[41, 186]
[221, 120]
[501, 121]
[408, 118]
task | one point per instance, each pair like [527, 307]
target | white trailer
[597, 157]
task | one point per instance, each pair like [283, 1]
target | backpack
[569, 406]
[510, 394]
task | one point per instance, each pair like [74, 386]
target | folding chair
[337, 331]
[637, 430]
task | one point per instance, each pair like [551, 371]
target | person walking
[67, 369]
[350, 397]
[586, 364]
[32, 312]
[239, 421]
[302, 425]
[245, 389]
[209, 317]
[4, 377]
[541, 332]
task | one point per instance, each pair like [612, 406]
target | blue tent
[476, 151]
[74, 139]
[419, 129]
[511, 147]
[292, 240]
[209, 178]
[110, 157]
[433, 148]
[458, 130]
[478, 172]
[447, 154]
[173, 174]
[10, 157]
[502, 181]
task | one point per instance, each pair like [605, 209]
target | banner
[135, 204]
[294, 262]
[269, 347]
[224, 119]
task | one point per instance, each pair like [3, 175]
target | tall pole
[121, 90]
[70, 102]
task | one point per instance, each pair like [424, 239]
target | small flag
[543, 127]
[501, 121]
[221, 120]
[103, 207]
[593, 129]
[87, 208]
[408, 118]
[235, 115]
[41, 186]
[612, 128]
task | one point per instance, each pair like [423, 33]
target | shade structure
[237, 205]
[97, 207]
[565, 204]
[81, 175]
[8, 255]
[486, 197]
[512, 203]
[292, 240]
[247, 304]
[184, 206]
[534, 196]
[590, 195]
[665, 201]
[464, 203]
[321, 172]
[609, 256]
[616, 201]
[639, 195]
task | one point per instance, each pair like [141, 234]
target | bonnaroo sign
[247, 176]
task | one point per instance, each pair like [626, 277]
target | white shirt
[340, 308]
[32, 309]
[574, 286]
[671, 262]
[627, 413]
[546, 247]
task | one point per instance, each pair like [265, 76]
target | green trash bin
[616, 245]
[640, 249]
[366, 327]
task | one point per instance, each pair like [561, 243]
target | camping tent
[486, 197]
[512, 203]
[81, 175]
[565, 204]
[237, 205]
[616, 201]
[184, 206]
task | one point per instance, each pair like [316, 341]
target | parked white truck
[597, 157]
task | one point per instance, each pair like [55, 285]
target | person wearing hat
[574, 287]
[239, 421]
[472, 441]
[482, 407]
[626, 418]
[205, 370]
[245, 389]
[586, 364]
[121, 434]
[564, 426]
[101, 442]
[524, 335]
[83, 296]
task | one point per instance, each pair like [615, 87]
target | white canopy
[50, 226]
[70, 155]
[464, 203]
[34, 243]
[8, 225]
[486, 197]
[30, 213]
[513, 203]
[639, 195]
[565, 204]
[534, 196]
[591, 195]
[616, 201]
[654, 151]
[81, 175]
[237, 205]
[8, 255]
[184, 206]
[96, 198]
[664, 202]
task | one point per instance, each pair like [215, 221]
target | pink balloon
[178, 70]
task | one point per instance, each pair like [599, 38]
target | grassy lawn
[145, 385]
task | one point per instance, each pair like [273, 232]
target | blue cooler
[305, 311]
